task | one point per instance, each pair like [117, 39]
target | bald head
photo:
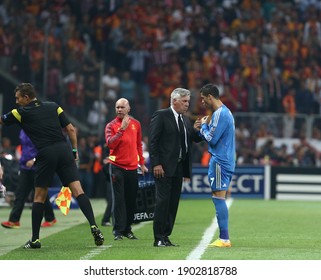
[122, 101]
[122, 107]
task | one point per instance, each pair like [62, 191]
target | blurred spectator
[91, 94]
[262, 130]
[305, 154]
[267, 153]
[242, 135]
[74, 95]
[54, 88]
[91, 65]
[289, 105]
[71, 63]
[86, 158]
[120, 60]
[304, 100]
[110, 82]
[21, 67]
[273, 89]
[97, 168]
[138, 56]
[6, 43]
[312, 29]
[7, 149]
[282, 156]
[97, 114]
[127, 89]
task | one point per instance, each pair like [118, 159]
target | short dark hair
[26, 89]
[210, 89]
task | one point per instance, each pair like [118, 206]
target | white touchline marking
[197, 253]
[95, 252]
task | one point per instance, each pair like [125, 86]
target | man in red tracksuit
[123, 137]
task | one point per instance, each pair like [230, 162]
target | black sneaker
[98, 236]
[130, 235]
[33, 245]
[118, 237]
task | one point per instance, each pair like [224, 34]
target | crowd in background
[265, 56]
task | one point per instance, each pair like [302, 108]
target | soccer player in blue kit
[218, 131]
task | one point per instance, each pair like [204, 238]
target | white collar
[175, 113]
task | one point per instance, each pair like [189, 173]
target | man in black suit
[170, 142]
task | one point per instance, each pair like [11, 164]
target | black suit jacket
[164, 142]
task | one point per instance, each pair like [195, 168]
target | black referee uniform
[43, 123]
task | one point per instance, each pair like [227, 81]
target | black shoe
[33, 245]
[130, 235]
[159, 243]
[98, 236]
[118, 237]
[169, 243]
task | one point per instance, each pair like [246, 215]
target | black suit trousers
[168, 191]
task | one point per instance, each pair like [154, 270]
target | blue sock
[222, 216]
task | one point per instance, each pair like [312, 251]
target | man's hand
[204, 119]
[198, 124]
[30, 162]
[125, 122]
[143, 168]
[158, 171]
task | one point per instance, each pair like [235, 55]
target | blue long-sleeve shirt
[220, 136]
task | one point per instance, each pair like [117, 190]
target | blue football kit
[220, 136]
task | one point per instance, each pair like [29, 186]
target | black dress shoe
[159, 243]
[169, 243]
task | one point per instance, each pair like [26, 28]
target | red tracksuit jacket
[125, 146]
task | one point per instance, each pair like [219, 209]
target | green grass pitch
[259, 230]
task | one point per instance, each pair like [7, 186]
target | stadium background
[264, 55]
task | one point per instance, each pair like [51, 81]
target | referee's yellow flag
[63, 200]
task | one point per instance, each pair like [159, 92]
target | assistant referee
[43, 123]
